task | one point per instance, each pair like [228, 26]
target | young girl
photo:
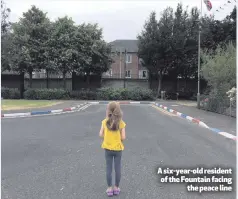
[113, 133]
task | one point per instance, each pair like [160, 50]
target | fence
[218, 105]
[76, 82]
[52, 83]
[124, 76]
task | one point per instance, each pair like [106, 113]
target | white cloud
[119, 19]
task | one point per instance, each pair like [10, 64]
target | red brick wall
[133, 67]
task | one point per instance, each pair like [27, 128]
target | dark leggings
[109, 155]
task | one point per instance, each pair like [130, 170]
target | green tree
[49, 62]
[154, 45]
[5, 24]
[94, 54]
[62, 47]
[219, 69]
[5, 37]
[30, 35]
[218, 32]
[229, 26]
[166, 46]
[6, 51]
[190, 57]
[207, 38]
[179, 43]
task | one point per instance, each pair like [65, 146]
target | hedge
[10, 93]
[84, 94]
[114, 94]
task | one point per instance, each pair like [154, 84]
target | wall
[79, 82]
[130, 83]
[182, 85]
[53, 83]
[114, 83]
[14, 81]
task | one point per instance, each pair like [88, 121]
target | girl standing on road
[113, 133]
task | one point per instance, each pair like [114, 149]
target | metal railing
[122, 76]
[105, 75]
[218, 105]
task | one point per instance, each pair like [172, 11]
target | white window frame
[141, 74]
[128, 58]
[146, 73]
[110, 72]
[127, 74]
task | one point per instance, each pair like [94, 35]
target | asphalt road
[59, 157]
[214, 120]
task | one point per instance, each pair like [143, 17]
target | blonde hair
[114, 116]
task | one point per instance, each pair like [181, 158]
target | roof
[130, 45]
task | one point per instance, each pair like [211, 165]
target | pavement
[60, 156]
[214, 120]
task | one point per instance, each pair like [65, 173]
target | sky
[119, 19]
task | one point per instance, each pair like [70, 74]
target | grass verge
[26, 104]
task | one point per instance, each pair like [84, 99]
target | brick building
[129, 69]
[132, 68]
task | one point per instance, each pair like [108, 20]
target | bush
[219, 70]
[217, 104]
[83, 95]
[46, 94]
[10, 93]
[124, 94]
[110, 94]
[86, 94]
[105, 94]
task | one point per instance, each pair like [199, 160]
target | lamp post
[199, 57]
[125, 70]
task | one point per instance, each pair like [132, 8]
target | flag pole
[120, 62]
[199, 57]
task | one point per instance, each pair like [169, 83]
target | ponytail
[114, 116]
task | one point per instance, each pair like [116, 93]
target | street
[60, 156]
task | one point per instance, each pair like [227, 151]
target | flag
[208, 4]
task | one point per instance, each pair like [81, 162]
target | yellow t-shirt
[112, 139]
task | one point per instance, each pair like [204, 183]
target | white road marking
[189, 118]
[228, 135]
[55, 113]
[86, 106]
[163, 111]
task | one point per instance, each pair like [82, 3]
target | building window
[143, 74]
[110, 72]
[128, 74]
[128, 58]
